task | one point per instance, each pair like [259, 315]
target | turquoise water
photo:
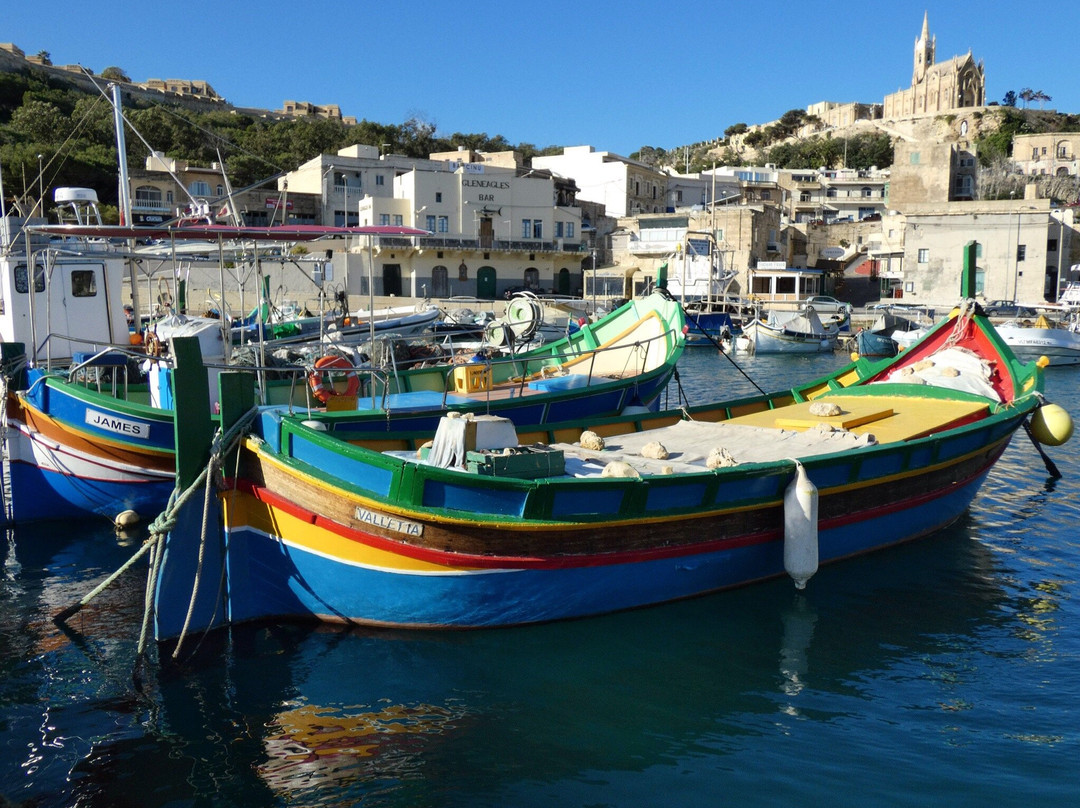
[945, 672]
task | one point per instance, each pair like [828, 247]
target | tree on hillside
[45, 57]
[41, 122]
[735, 129]
[1027, 95]
[790, 121]
[115, 74]
[1010, 99]
[1041, 97]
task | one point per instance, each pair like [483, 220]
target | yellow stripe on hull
[245, 511]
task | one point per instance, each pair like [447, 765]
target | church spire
[924, 51]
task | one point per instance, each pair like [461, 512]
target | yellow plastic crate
[472, 378]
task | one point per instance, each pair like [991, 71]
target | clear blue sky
[615, 75]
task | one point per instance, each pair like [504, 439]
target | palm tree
[1027, 95]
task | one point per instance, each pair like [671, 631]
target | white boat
[791, 332]
[1058, 342]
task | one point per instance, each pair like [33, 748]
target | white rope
[166, 521]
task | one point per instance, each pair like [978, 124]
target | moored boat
[77, 447]
[881, 337]
[791, 332]
[488, 528]
[1058, 342]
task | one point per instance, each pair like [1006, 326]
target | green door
[564, 281]
[485, 283]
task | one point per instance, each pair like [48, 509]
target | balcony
[452, 243]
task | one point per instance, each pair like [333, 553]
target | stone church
[937, 86]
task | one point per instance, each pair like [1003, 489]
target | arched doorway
[485, 283]
[564, 281]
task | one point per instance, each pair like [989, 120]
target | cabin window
[22, 286]
[83, 283]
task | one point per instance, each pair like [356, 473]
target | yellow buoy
[126, 519]
[1051, 425]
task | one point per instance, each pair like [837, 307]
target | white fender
[801, 528]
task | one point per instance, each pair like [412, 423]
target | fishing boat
[1058, 342]
[80, 446]
[351, 328]
[880, 339]
[495, 526]
[791, 332]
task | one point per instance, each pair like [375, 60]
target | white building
[493, 224]
[625, 187]
[1021, 254]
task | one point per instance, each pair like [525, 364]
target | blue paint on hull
[45, 494]
[271, 579]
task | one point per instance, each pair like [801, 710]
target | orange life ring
[322, 386]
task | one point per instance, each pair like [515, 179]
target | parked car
[823, 304]
[1008, 308]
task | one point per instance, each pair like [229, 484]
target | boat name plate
[387, 522]
[121, 426]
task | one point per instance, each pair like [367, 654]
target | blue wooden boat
[485, 528]
[880, 338]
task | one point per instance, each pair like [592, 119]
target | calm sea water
[945, 672]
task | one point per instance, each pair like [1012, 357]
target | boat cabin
[74, 302]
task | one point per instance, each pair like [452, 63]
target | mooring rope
[160, 527]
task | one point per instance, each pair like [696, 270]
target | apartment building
[828, 196]
[168, 189]
[494, 223]
[1051, 153]
[625, 187]
[1021, 254]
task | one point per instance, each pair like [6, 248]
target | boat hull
[773, 340]
[287, 561]
[86, 459]
[867, 343]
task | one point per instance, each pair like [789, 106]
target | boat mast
[125, 193]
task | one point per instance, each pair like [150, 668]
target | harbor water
[943, 672]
